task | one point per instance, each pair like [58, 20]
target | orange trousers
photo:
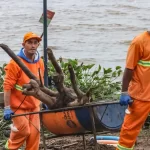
[28, 131]
[133, 122]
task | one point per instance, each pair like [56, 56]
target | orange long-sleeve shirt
[138, 59]
[15, 76]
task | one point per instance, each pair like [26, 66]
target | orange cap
[31, 35]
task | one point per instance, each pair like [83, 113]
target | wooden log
[18, 61]
[26, 70]
[64, 97]
[74, 83]
[59, 76]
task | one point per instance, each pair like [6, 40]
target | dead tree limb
[82, 97]
[64, 97]
[74, 83]
[26, 70]
[67, 98]
[18, 61]
[59, 76]
[32, 89]
[53, 60]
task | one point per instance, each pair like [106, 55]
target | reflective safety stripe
[18, 87]
[123, 148]
[144, 63]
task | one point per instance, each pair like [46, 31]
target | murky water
[94, 31]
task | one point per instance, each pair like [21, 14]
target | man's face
[31, 46]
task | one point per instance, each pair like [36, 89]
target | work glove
[45, 106]
[125, 99]
[7, 113]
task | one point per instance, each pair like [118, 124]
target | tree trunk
[64, 97]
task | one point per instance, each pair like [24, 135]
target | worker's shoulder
[140, 37]
[12, 63]
[41, 61]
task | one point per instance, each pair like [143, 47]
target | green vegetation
[103, 82]
[4, 129]
[2, 73]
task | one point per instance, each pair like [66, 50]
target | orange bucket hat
[31, 35]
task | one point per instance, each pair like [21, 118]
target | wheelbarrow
[107, 116]
[93, 117]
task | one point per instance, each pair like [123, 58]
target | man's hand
[125, 99]
[7, 113]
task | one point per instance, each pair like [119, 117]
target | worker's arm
[7, 98]
[127, 76]
[135, 53]
[125, 99]
[7, 110]
[11, 74]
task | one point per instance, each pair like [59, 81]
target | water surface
[89, 30]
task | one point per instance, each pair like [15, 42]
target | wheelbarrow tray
[107, 116]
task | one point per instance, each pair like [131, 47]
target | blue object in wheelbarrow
[108, 116]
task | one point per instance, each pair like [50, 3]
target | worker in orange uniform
[25, 129]
[136, 87]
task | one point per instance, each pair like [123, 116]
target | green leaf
[114, 74]
[100, 83]
[106, 71]
[90, 66]
[118, 67]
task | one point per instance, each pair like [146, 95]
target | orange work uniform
[28, 126]
[138, 59]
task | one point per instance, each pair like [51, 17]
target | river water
[93, 31]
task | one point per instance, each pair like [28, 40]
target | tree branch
[26, 70]
[54, 61]
[58, 78]
[74, 83]
[18, 61]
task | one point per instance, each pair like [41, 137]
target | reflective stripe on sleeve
[144, 63]
[18, 87]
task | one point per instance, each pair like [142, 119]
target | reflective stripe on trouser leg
[133, 123]
[119, 147]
